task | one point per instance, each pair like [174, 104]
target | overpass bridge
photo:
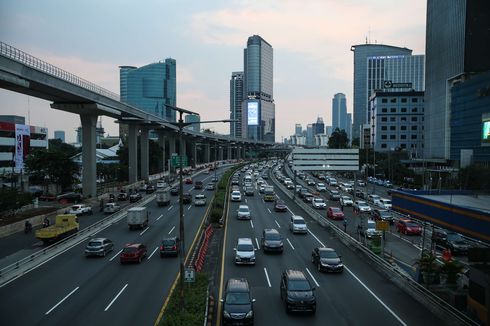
[23, 73]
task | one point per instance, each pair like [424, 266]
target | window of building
[383, 146]
[403, 136]
[384, 128]
[384, 110]
[393, 119]
[403, 127]
[414, 127]
[384, 100]
[384, 119]
[383, 137]
[403, 110]
[392, 127]
[404, 100]
[414, 119]
[415, 100]
[403, 145]
[393, 110]
[392, 136]
[414, 137]
[393, 100]
[414, 110]
[403, 119]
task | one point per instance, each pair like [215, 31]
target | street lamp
[181, 125]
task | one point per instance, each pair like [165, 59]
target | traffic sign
[189, 275]
[175, 160]
[382, 225]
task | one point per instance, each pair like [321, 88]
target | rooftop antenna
[369, 34]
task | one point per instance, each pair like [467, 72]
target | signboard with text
[253, 113]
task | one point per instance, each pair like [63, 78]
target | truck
[269, 194]
[137, 217]
[163, 197]
[65, 225]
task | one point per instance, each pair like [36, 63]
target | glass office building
[236, 98]
[339, 112]
[258, 108]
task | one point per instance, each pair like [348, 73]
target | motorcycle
[28, 228]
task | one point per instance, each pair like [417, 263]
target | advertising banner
[22, 143]
[253, 113]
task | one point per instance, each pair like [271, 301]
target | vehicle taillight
[161, 247]
[174, 247]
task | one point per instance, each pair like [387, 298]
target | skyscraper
[339, 112]
[236, 98]
[194, 119]
[457, 36]
[361, 96]
[59, 134]
[309, 134]
[298, 129]
[349, 126]
[318, 127]
[150, 88]
[258, 108]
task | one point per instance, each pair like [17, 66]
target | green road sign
[175, 161]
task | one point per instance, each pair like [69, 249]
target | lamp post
[181, 124]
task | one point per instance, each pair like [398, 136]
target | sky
[311, 41]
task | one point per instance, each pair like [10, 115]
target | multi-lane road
[73, 290]
[358, 296]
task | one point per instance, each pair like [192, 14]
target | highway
[358, 296]
[73, 290]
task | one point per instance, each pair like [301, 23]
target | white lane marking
[251, 223]
[191, 188]
[115, 298]
[159, 217]
[171, 230]
[144, 230]
[311, 275]
[117, 254]
[376, 297]
[66, 297]
[189, 207]
[269, 210]
[290, 243]
[257, 242]
[171, 206]
[277, 224]
[290, 211]
[152, 253]
[267, 276]
[314, 236]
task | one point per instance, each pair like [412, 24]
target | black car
[187, 198]
[272, 241]
[150, 189]
[169, 247]
[308, 198]
[122, 196]
[326, 259]
[238, 308]
[297, 292]
[134, 197]
[198, 185]
[383, 215]
[174, 191]
[452, 241]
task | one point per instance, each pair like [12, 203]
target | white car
[297, 224]
[346, 201]
[319, 203]
[385, 203]
[80, 209]
[362, 206]
[244, 252]
[243, 212]
[110, 208]
[161, 184]
[199, 200]
[321, 187]
[236, 196]
[375, 199]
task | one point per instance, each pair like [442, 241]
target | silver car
[298, 224]
[245, 252]
[98, 247]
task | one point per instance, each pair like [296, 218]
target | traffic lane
[399, 302]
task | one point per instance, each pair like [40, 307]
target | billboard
[253, 113]
[485, 137]
[22, 143]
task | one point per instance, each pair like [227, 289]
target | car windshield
[385, 214]
[412, 225]
[94, 243]
[335, 209]
[297, 221]
[363, 204]
[334, 192]
[243, 209]
[299, 285]
[318, 200]
[273, 236]
[345, 198]
[168, 242]
[328, 254]
[237, 298]
[245, 247]
[279, 203]
[199, 196]
[236, 193]
[129, 250]
[454, 237]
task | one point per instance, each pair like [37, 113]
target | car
[169, 247]
[280, 206]
[110, 208]
[69, 197]
[210, 186]
[383, 215]
[367, 227]
[297, 224]
[361, 183]
[199, 200]
[236, 196]
[80, 210]
[186, 198]
[134, 197]
[133, 252]
[332, 182]
[98, 247]
[122, 196]
[456, 243]
[243, 212]
[308, 198]
[235, 181]
[188, 181]
[385, 203]
[362, 206]
[334, 195]
[319, 203]
[310, 182]
[249, 191]
[214, 179]
[407, 226]
[321, 187]
[262, 188]
[375, 199]
[238, 306]
[198, 184]
[346, 201]
[335, 213]
[326, 259]
[174, 191]
[161, 184]
[244, 252]
[297, 292]
[272, 241]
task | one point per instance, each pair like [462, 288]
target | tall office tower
[457, 38]
[348, 124]
[59, 134]
[298, 130]
[361, 95]
[194, 120]
[318, 127]
[236, 98]
[339, 112]
[258, 108]
[309, 134]
[149, 88]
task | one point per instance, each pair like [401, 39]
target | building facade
[457, 33]
[339, 112]
[361, 95]
[236, 98]
[298, 130]
[194, 119]
[309, 135]
[318, 127]
[258, 108]
[59, 134]
[398, 122]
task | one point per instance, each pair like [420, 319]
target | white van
[385, 203]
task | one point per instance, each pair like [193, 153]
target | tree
[475, 177]
[338, 139]
[356, 143]
[56, 145]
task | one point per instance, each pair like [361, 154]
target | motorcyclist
[28, 227]
[45, 222]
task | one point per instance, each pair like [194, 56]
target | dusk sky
[311, 41]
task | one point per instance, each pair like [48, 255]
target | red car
[335, 213]
[188, 181]
[133, 252]
[407, 226]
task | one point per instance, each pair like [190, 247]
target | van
[385, 203]
[137, 217]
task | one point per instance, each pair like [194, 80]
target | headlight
[226, 314]
[249, 314]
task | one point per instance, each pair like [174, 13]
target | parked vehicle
[297, 292]
[134, 252]
[65, 225]
[244, 252]
[138, 217]
[169, 247]
[326, 259]
[80, 210]
[237, 303]
[110, 208]
[98, 247]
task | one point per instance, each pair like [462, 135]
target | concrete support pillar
[221, 153]
[228, 152]
[239, 152]
[133, 153]
[171, 145]
[194, 154]
[207, 153]
[145, 166]
[89, 159]
[244, 155]
[161, 143]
